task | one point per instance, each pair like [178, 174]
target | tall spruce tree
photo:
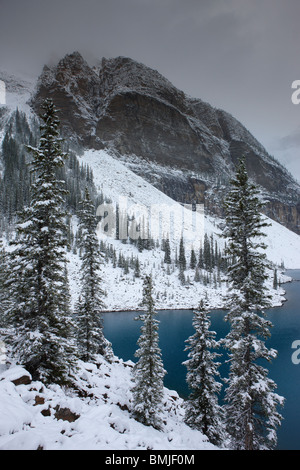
[203, 411]
[88, 310]
[275, 279]
[3, 275]
[193, 260]
[148, 372]
[251, 403]
[207, 253]
[182, 259]
[167, 248]
[181, 262]
[43, 342]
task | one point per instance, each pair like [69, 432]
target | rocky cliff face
[184, 146]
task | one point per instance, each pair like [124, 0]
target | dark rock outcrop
[182, 145]
[65, 414]
[22, 380]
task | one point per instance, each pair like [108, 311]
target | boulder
[17, 375]
[65, 414]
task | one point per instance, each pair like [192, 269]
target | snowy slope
[100, 409]
[115, 180]
[18, 91]
[283, 245]
[123, 291]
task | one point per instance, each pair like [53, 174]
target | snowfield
[94, 416]
[114, 179]
[124, 292]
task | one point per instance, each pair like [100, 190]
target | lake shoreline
[275, 302]
[176, 327]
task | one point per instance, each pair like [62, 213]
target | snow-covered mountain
[97, 414]
[132, 109]
[116, 176]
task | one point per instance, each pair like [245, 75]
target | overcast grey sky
[239, 55]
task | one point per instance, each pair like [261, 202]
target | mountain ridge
[136, 113]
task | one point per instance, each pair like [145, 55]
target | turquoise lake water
[176, 326]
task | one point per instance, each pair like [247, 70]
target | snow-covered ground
[119, 183]
[116, 181]
[34, 416]
[123, 292]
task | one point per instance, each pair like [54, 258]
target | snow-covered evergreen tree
[88, 310]
[3, 296]
[181, 262]
[182, 259]
[148, 372]
[252, 416]
[203, 411]
[207, 253]
[201, 259]
[167, 249]
[137, 271]
[275, 279]
[15, 179]
[193, 260]
[38, 285]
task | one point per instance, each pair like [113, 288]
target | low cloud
[290, 141]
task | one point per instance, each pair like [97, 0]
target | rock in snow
[99, 407]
